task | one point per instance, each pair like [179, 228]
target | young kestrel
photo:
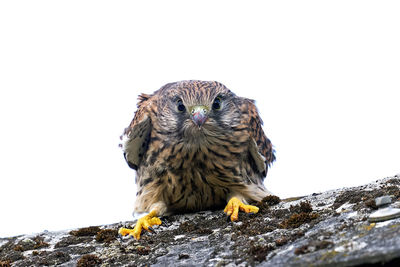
[195, 145]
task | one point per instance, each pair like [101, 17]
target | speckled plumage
[182, 166]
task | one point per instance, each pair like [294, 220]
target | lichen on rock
[328, 228]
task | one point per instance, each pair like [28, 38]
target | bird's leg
[146, 222]
[234, 205]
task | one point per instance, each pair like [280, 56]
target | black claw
[151, 230]
[228, 218]
[251, 214]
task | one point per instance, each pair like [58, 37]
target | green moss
[281, 241]
[260, 252]
[370, 203]
[88, 260]
[36, 243]
[39, 243]
[329, 255]
[298, 219]
[304, 206]
[87, 231]
[189, 227]
[271, 200]
[141, 250]
[106, 235]
[19, 248]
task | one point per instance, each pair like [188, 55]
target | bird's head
[196, 110]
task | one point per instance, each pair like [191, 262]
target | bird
[195, 145]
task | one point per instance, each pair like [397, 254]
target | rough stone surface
[323, 229]
[384, 200]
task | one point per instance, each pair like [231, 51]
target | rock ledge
[324, 229]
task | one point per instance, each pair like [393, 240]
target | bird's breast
[191, 176]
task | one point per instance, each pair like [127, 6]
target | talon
[143, 223]
[124, 231]
[233, 207]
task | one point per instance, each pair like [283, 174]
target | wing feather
[136, 136]
[260, 146]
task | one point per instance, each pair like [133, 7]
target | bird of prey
[195, 145]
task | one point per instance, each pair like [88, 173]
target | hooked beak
[199, 114]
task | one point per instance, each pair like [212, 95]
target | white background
[325, 74]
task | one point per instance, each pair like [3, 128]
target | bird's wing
[136, 136]
[260, 146]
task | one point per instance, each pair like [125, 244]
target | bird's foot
[146, 222]
[233, 207]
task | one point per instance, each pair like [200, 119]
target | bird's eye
[217, 103]
[180, 106]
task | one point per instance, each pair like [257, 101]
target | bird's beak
[199, 114]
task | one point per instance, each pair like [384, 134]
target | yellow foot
[145, 222]
[233, 207]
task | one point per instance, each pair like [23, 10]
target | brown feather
[183, 167]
